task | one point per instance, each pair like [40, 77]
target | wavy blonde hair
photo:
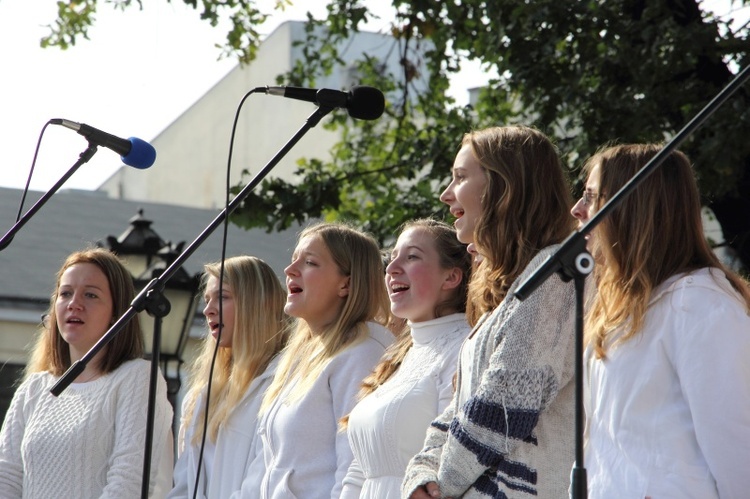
[655, 233]
[525, 208]
[260, 332]
[356, 255]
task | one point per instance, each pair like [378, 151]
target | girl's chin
[465, 238]
[402, 312]
[289, 308]
[215, 334]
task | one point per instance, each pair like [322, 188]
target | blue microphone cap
[142, 154]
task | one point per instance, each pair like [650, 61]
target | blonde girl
[336, 292]
[251, 330]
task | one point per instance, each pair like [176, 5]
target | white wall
[190, 168]
[17, 329]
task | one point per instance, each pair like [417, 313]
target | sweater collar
[426, 331]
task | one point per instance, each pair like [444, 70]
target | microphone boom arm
[138, 303]
[84, 157]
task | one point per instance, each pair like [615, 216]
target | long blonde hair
[51, 353]
[356, 255]
[525, 208]
[260, 332]
[656, 232]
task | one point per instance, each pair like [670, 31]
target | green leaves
[585, 72]
[73, 20]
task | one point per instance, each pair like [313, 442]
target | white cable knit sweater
[387, 428]
[86, 443]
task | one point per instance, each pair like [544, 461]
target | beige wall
[17, 332]
[192, 153]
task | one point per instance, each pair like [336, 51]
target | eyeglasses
[589, 197]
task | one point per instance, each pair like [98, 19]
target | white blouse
[669, 410]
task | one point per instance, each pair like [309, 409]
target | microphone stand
[571, 260]
[158, 307]
[82, 158]
[156, 285]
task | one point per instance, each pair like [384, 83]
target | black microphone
[362, 102]
[133, 151]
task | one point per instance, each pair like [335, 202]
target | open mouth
[399, 288]
[294, 289]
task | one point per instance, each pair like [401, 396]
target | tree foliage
[586, 72]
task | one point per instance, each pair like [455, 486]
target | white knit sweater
[86, 443]
[387, 428]
[306, 457]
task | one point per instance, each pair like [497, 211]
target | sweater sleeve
[530, 344]
[352, 484]
[161, 482]
[181, 471]
[256, 468]
[711, 345]
[256, 465]
[423, 467]
[11, 436]
[125, 468]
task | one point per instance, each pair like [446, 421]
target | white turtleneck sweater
[387, 428]
[88, 442]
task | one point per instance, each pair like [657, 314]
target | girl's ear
[453, 278]
[344, 289]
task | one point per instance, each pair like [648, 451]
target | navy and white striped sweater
[514, 435]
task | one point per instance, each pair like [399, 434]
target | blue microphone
[133, 151]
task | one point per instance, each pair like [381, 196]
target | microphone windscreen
[142, 154]
[366, 103]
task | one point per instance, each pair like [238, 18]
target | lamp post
[146, 255]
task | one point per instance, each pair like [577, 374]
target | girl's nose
[74, 302]
[447, 195]
[290, 269]
[579, 211]
[393, 267]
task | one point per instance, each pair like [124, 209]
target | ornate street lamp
[146, 255]
[137, 246]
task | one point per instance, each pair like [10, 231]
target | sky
[138, 72]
